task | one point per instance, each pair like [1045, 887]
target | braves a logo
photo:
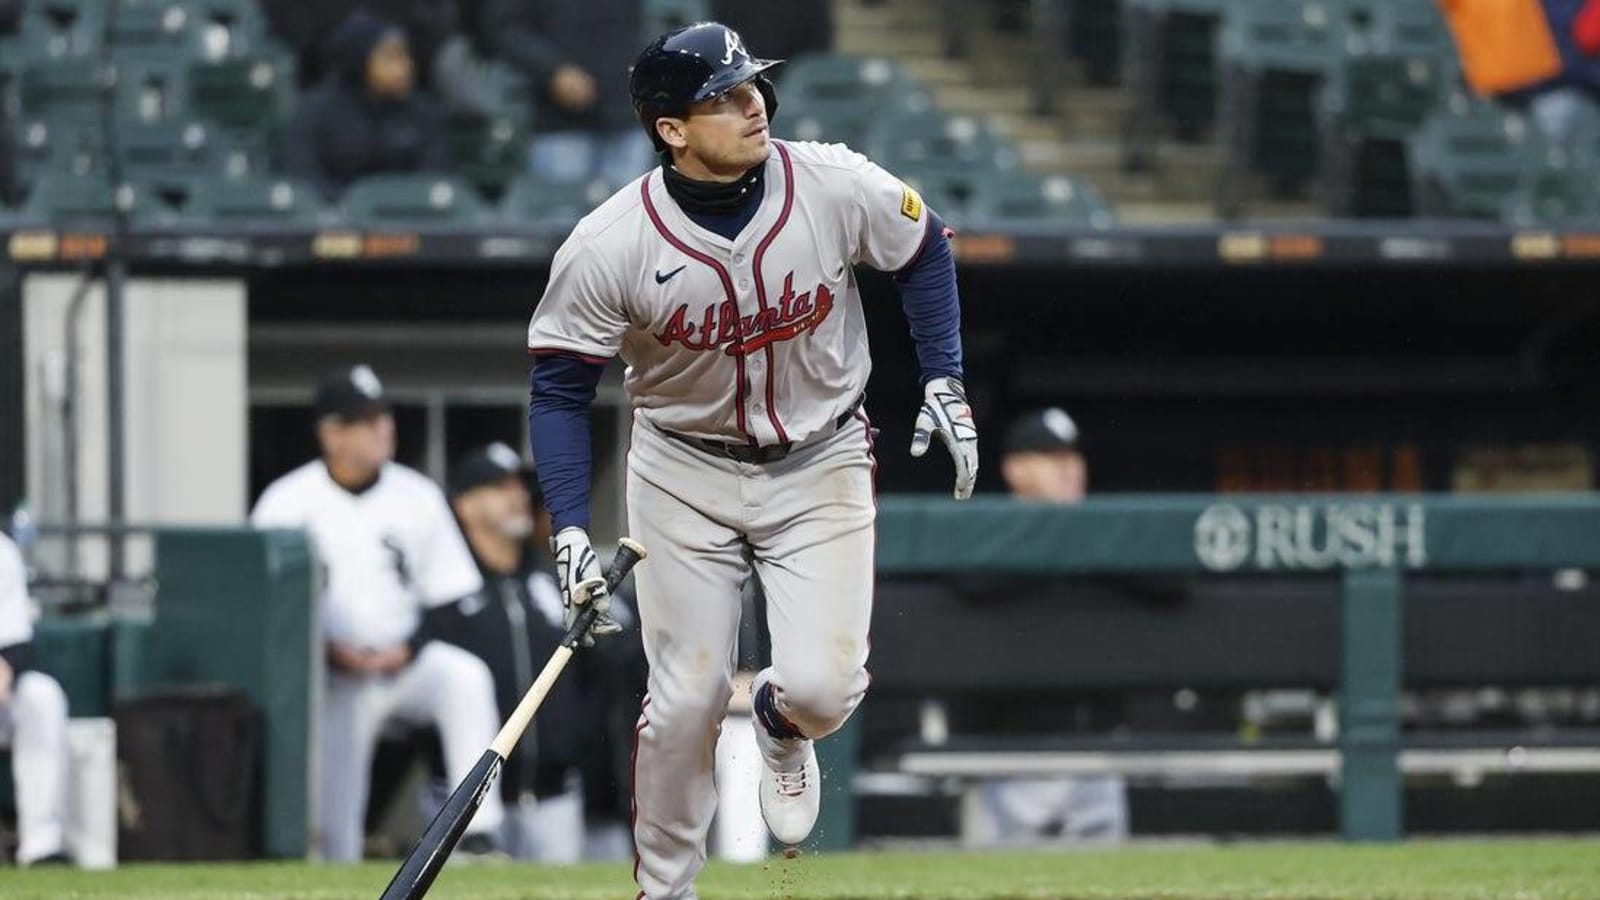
[732, 45]
[722, 326]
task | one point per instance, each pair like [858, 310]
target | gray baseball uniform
[759, 342]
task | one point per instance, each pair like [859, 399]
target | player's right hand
[578, 570]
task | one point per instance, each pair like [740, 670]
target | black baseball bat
[428, 857]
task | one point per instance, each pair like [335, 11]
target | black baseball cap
[1043, 431]
[490, 464]
[350, 395]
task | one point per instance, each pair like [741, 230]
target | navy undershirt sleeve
[932, 304]
[561, 388]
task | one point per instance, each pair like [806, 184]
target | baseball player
[33, 722]
[389, 548]
[724, 279]
[513, 625]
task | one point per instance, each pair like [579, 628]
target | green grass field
[1448, 870]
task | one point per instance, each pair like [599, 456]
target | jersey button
[744, 284]
[738, 257]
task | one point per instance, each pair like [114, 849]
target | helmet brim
[728, 79]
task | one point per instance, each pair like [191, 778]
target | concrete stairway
[1080, 136]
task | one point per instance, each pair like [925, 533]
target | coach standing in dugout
[33, 723]
[388, 550]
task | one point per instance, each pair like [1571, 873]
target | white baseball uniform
[33, 722]
[385, 554]
[761, 341]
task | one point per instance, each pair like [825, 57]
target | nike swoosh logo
[663, 279]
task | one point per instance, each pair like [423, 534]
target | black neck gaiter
[713, 197]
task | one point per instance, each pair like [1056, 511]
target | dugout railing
[951, 617]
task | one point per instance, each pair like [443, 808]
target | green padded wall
[236, 607]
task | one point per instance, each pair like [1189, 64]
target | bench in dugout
[982, 673]
[1075, 643]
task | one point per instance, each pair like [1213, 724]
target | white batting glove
[945, 413]
[578, 571]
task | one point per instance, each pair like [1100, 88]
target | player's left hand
[945, 413]
[578, 571]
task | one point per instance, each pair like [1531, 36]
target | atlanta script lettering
[722, 326]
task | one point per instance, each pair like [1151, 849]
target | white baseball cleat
[791, 799]
[791, 781]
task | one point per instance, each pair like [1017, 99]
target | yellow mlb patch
[910, 203]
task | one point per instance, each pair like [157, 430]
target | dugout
[1330, 357]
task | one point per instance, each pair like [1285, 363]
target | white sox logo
[722, 326]
[731, 44]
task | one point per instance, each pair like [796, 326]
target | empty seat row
[194, 29]
[63, 199]
[1015, 202]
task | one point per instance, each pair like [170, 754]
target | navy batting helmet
[694, 63]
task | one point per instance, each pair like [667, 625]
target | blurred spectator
[10, 15]
[1586, 28]
[1560, 108]
[514, 625]
[1044, 462]
[576, 54]
[306, 27]
[1525, 53]
[33, 723]
[388, 549]
[781, 30]
[365, 117]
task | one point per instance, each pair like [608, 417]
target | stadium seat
[1094, 38]
[835, 78]
[1564, 186]
[1470, 156]
[64, 199]
[1369, 107]
[488, 151]
[837, 98]
[1170, 52]
[45, 146]
[530, 201]
[933, 142]
[1566, 193]
[1409, 28]
[1018, 201]
[59, 90]
[847, 121]
[173, 153]
[152, 88]
[151, 28]
[412, 199]
[275, 199]
[1273, 56]
[54, 29]
[661, 16]
[224, 29]
[247, 95]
